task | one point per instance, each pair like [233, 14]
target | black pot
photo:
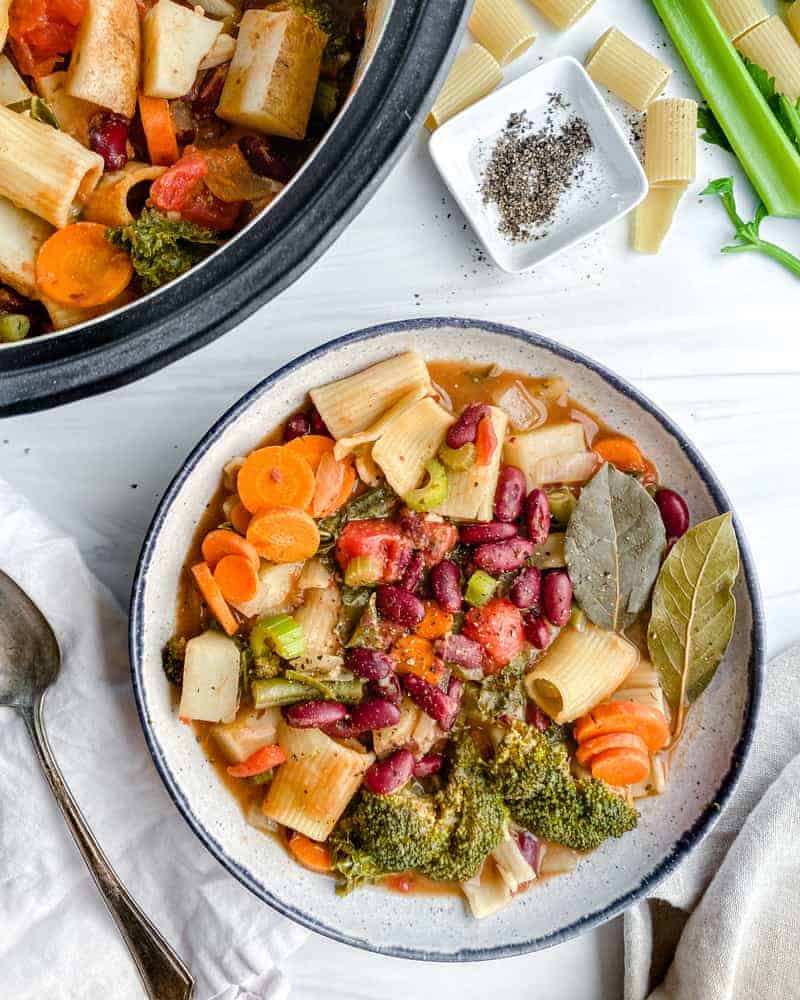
[407, 68]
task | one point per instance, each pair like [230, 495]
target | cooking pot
[407, 51]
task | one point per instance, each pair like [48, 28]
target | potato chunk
[175, 41]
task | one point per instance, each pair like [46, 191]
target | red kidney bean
[387, 688]
[491, 531]
[108, 136]
[426, 766]
[527, 588]
[387, 776]
[376, 714]
[461, 650]
[315, 714]
[317, 423]
[342, 729]
[535, 717]
[445, 581]
[538, 633]
[557, 597]
[465, 429]
[529, 848]
[441, 707]
[263, 161]
[297, 426]
[674, 513]
[502, 557]
[399, 606]
[509, 496]
[537, 516]
[209, 92]
[370, 664]
[410, 579]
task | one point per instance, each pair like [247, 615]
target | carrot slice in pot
[212, 595]
[240, 517]
[236, 578]
[77, 266]
[621, 766]
[311, 447]
[283, 534]
[624, 717]
[275, 477]
[622, 453]
[612, 741]
[309, 853]
[436, 623]
[258, 762]
[220, 543]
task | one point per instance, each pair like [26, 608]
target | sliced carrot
[77, 266]
[212, 595]
[159, 130]
[283, 534]
[624, 717]
[622, 453]
[414, 655]
[240, 517]
[436, 623]
[347, 488]
[611, 741]
[257, 763]
[621, 766]
[221, 542]
[236, 578]
[275, 477]
[311, 447]
[309, 853]
[485, 441]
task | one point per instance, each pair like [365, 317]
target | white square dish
[614, 182]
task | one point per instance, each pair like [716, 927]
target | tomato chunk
[182, 189]
[42, 30]
[499, 628]
[380, 538]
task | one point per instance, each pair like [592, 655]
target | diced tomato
[375, 538]
[42, 30]
[434, 539]
[182, 189]
[499, 628]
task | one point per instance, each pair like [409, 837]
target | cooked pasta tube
[312, 789]
[793, 19]
[471, 492]
[653, 217]
[502, 29]
[317, 616]
[771, 46]
[12, 87]
[43, 170]
[104, 68]
[63, 317]
[670, 156]
[580, 669]
[5, 6]
[351, 404]
[409, 442]
[474, 74]
[628, 71]
[21, 235]
[72, 113]
[737, 17]
[529, 451]
[563, 13]
[108, 203]
[346, 446]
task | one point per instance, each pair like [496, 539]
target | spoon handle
[164, 975]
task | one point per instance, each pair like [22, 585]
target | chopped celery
[578, 619]
[480, 588]
[264, 778]
[13, 327]
[562, 504]
[280, 633]
[433, 492]
[280, 691]
[363, 570]
[458, 459]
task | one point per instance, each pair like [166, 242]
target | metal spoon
[29, 663]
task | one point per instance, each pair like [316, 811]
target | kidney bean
[209, 92]
[387, 688]
[426, 766]
[369, 663]
[376, 714]
[674, 513]
[108, 136]
[315, 714]
[342, 729]
[502, 557]
[529, 848]
[387, 776]
[317, 423]
[538, 633]
[446, 585]
[527, 588]
[557, 597]
[441, 707]
[461, 650]
[297, 426]
[465, 429]
[491, 531]
[509, 496]
[535, 717]
[537, 516]
[410, 579]
[400, 606]
[263, 161]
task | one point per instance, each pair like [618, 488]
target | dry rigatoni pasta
[737, 17]
[628, 71]
[502, 29]
[772, 47]
[104, 68]
[12, 87]
[653, 217]
[409, 442]
[474, 74]
[43, 170]
[21, 235]
[471, 491]
[346, 446]
[670, 153]
[72, 113]
[581, 669]
[312, 789]
[563, 13]
[108, 203]
[352, 404]
[532, 450]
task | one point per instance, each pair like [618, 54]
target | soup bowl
[438, 927]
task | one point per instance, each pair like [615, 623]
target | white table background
[714, 341]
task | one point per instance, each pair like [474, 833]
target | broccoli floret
[172, 657]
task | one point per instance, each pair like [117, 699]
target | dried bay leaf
[613, 548]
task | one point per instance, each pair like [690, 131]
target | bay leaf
[613, 548]
[694, 609]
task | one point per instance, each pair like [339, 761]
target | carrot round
[212, 595]
[436, 623]
[240, 517]
[309, 853]
[77, 266]
[236, 578]
[624, 717]
[275, 477]
[311, 447]
[414, 655]
[611, 741]
[622, 453]
[621, 766]
[485, 441]
[257, 763]
[159, 131]
[220, 543]
[283, 534]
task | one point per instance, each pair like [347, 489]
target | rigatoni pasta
[317, 617]
[108, 203]
[474, 74]
[654, 216]
[409, 442]
[628, 71]
[563, 13]
[501, 28]
[772, 47]
[737, 17]
[348, 445]
[104, 68]
[21, 235]
[471, 491]
[72, 113]
[670, 157]
[12, 87]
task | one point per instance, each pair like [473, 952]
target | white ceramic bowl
[438, 927]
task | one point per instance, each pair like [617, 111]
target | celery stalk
[764, 150]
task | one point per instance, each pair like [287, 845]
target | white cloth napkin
[742, 938]
[57, 940]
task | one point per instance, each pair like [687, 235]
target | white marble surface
[714, 341]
